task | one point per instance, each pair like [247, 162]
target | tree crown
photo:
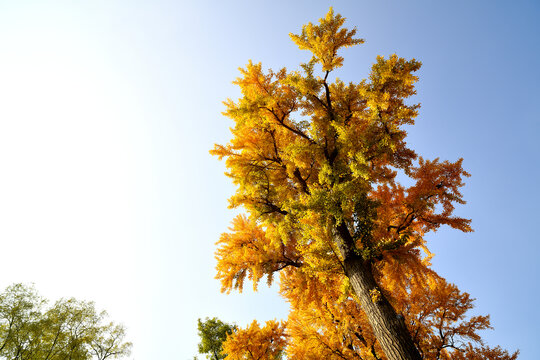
[316, 165]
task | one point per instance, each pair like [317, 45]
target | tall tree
[315, 165]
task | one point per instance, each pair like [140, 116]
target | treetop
[324, 40]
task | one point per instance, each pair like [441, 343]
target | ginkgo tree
[315, 164]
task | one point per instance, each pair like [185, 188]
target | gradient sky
[108, 110]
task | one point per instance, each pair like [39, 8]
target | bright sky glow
[108, 110]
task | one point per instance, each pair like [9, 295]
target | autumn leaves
[315, 166]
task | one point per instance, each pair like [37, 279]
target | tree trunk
[389, 328]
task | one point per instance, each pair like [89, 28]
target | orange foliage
[307, 154]
[256, 343]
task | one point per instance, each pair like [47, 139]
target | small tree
[69, 329]
[213, 333]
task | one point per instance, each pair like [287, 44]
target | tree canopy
[213, 333]
[30, 329]
[315, 163]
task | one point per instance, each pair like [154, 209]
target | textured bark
[389, 328]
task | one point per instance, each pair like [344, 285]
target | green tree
[109, 342]
[69, 329]
[213, 333]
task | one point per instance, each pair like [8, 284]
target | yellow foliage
[375, 295]
[315, 166]
[256, 343]
[324, 40]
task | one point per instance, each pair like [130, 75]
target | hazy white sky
[108, 110]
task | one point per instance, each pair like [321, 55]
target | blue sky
[108, 110]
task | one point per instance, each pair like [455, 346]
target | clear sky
[108, 110]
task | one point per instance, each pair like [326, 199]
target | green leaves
[213, 333]
[69, 329]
